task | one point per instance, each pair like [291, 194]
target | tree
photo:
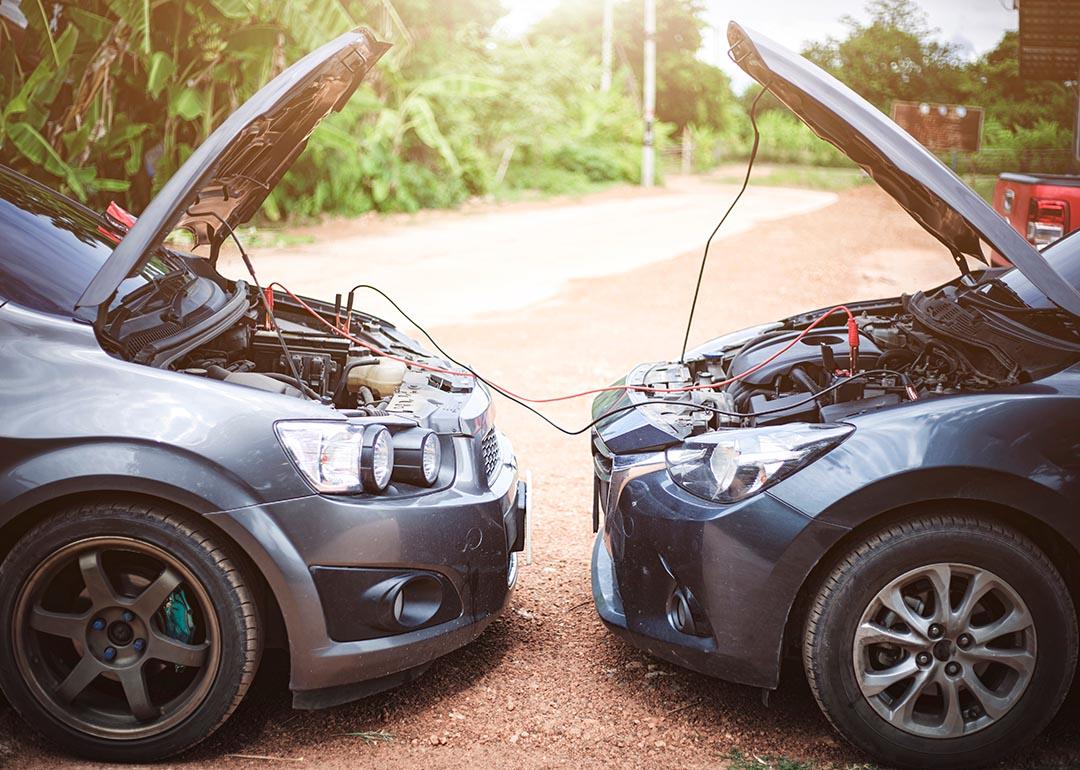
[1015, 101]
[893, 56]
[689, 91]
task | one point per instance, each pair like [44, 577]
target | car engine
[332, 369]
[949, 341]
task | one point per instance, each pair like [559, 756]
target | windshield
[1063, 256]
[51, 247]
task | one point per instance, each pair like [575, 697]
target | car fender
[53, 470]
[1017, 449]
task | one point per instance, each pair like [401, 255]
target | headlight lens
[339, 458]
[417, 456]
[376, 459]
[728, 466]
[432, 458]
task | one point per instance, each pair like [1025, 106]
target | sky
[975, 26]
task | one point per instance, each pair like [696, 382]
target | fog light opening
[684, 614]
[406, 602]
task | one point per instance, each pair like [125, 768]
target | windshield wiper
[131, 300]
[138, 298]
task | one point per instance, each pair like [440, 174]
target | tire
[132, 633]
[1005, 693]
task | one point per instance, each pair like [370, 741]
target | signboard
[1049, 39]
[941, 126]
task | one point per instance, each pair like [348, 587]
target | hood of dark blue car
[924, 186]
[226, 179]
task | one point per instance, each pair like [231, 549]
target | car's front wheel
[127, 633]
[942, 642]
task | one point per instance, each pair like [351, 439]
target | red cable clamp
[269, 294]
[853, 342]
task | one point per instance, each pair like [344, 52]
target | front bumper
[737, 567]
[466, 534]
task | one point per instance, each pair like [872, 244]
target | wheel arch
[1063, 555]
[276, 634]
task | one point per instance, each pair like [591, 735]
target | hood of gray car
[226, 179]
[924, 186]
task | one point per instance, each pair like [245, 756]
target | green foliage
[689, 91]
[434, 138]
[106, 98]
[786, 139]
[808, 177]
[110, 100]
[894, 56]
[97, 94]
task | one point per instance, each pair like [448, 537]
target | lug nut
[98, 624]
[128, 616]
[952, 669]
[109, 654]
[139, 645]
[963, 642]
[923, 659]
[936, 631]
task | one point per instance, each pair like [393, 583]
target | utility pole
[608, 46]
[648, 153]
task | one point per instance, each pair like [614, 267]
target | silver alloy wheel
[944, 650]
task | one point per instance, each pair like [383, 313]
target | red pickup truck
[1043, 207]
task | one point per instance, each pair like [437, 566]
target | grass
[983, 184]
[252, 237]
[266, 238]
[736, 760]
[809, 177]
[829, 179]
[371, 737]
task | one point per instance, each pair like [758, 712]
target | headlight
[376, 459]
[417, 456]
[731, 465]
[339, 458]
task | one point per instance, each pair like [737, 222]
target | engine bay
[188, 319]
[956, 339]
[334, 370]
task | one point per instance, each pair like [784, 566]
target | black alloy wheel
[133, 634]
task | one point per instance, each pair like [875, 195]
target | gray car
[192, 469]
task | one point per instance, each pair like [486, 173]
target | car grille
[490, 453]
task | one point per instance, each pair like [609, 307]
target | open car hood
[936, 197]
[229, 175]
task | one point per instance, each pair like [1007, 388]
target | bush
[429, 130]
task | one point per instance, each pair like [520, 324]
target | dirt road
[454, 266]
[546, 686]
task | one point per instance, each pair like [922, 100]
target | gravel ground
[546, 685]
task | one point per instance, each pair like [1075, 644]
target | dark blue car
[888, 489]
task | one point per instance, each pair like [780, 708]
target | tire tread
[927, 524]
[218, 552]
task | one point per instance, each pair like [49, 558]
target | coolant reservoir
[383, 378]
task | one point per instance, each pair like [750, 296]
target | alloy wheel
[116, 638]
[944, 650]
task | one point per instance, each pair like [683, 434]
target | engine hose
[290, 380]
[945, 355]
[217, 372]
[808, 383]
[343, 380]
[885, 361]
[373, 411]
